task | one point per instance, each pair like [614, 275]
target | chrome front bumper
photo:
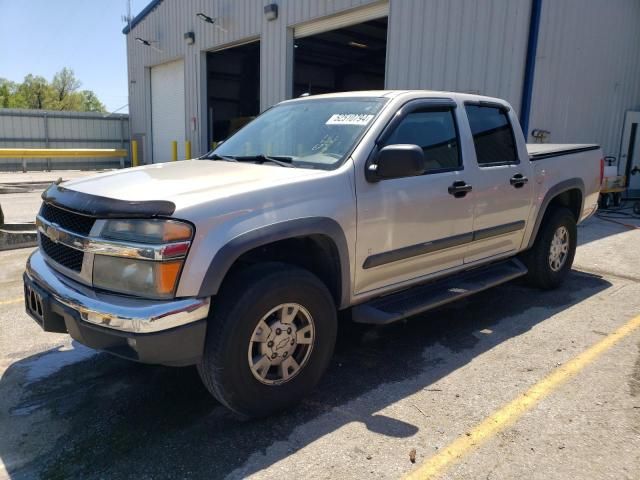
[124, 314]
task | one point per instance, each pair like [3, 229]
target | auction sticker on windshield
[350, 119]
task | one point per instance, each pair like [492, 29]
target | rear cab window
[493, 137]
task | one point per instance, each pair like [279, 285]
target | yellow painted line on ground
[13, 300]
[510, 413]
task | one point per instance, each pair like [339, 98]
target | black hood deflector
[103, 207]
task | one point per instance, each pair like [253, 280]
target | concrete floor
[66, 412]
[20, 192]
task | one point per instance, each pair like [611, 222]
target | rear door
[501, 185]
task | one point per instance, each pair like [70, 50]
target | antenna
[129, 14]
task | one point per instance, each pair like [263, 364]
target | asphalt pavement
[392, 394]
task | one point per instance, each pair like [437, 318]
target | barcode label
[349, 119]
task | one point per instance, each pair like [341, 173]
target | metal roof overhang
[138, 18]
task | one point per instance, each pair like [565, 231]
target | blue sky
[43, 36]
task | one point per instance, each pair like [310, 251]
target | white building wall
[467, 46]
[587, 70]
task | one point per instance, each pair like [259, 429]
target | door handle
[459, 189]
[518, 180]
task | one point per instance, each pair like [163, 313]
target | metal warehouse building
[200, 69]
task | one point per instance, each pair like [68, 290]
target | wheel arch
[568, 193]
[315, 243]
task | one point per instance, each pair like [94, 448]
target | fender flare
[302, 227]
[553, 192]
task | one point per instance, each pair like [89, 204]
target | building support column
[530, 66]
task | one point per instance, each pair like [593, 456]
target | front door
[502, 189]
[412, 227]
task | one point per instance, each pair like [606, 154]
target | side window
[435, 132]
[492, 135]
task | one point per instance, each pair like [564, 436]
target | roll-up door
[167, 109]
[344, 20]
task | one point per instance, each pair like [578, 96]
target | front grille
[65, 256]
[68, 220]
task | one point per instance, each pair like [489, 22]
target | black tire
[237, 310]
[605, 202]
[617, 199]
[541, 274]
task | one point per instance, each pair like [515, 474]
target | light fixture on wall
[210, 20]
[271, 11]
[206, 18]
[190, 38]
[148, 43]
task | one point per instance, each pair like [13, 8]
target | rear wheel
[550, 259]
[269, 340]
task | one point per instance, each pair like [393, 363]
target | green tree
[9, 95]
[64, 86]
[91, 103]
[35, 91]
[6, 93]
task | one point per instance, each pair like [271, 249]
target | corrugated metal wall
[56, 129]
[587, 70]
[239, 21]
[467, 46]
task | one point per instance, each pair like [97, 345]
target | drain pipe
[530, 66]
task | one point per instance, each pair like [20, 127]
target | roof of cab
[397, 93]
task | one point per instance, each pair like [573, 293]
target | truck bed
[539, 151]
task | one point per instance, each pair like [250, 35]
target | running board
[406, 303]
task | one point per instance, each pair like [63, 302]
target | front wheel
[270, 339]
[550, 259]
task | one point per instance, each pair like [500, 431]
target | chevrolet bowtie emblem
[53, 234]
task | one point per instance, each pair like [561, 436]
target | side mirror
[397, 161]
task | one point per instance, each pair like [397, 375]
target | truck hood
[187, 182]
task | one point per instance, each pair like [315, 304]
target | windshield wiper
[215, 156]
[278, 160]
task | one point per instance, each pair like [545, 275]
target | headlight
[153, 231]
[141, 275]
[143, 278]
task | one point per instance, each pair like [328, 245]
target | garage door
[359, 15]
[167, 108]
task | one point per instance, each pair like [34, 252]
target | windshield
[310, 134]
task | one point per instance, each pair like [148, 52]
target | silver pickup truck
[386, 203]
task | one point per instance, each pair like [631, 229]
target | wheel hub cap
[559, 249]
[281, 344]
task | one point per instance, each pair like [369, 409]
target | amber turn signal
[166, 276]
